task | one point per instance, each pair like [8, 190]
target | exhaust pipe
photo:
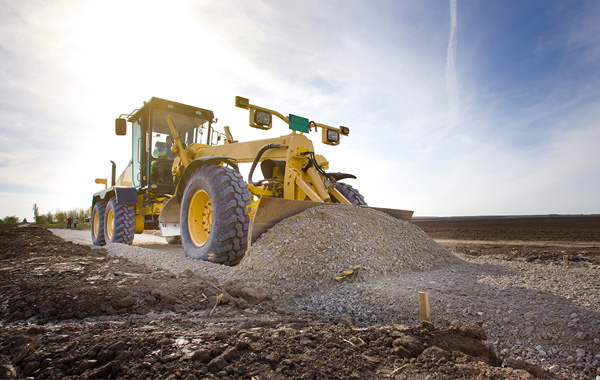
[114, 173]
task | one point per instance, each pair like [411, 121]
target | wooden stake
[219, 297]
[565, 260]
[424, 309]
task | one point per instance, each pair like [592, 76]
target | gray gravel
[543, 313]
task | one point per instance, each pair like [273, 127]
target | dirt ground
[541, 239]
[70, 311]
[564, 228]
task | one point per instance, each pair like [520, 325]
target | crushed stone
[306, 252]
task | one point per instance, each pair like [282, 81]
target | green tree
[60, 216]
[36, 213]
[49, 217]
[11, 219]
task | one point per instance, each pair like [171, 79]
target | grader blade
[271, 211]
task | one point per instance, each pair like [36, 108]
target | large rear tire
[97, 222]
[214, 222]
[351, 194]
[119, 222]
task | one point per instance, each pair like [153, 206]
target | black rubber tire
[123, 222]
[350, 193]
[229, 195]
[173, 239]
[98, 214]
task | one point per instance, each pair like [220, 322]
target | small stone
[146, 365]
[596, 341]
[554, 369]
[170, 358]
[542, 353]
[181, 341]
[217, 364]
[137, 354]
[574, 315]
[580, 352]
[581, 335]
[529, 317]
[231, 354]
[126, 302]
[201, 356]
[529, 330]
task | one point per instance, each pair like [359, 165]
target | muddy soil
[566, 229]
[538, 240]
[70, 311]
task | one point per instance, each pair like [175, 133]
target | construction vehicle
[185, 181]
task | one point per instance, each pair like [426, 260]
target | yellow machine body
[295, 177]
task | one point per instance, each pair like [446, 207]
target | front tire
[214, 222]
[97, 222]
[119, 222]
[351, 194]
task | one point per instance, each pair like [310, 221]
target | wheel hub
[96, 225]
[110, 223]
[200, 218]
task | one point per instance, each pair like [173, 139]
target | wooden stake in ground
[218, 301]
[565, 260]
[424, 309]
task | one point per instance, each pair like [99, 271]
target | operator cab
[152, 140]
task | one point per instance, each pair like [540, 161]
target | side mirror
[121, 127]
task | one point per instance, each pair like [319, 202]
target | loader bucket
[271, 211]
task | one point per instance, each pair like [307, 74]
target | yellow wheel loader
[184, 179]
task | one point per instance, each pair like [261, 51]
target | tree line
[57, 217]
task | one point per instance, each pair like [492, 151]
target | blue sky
[455, 108]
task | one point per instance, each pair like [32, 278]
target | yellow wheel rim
[200, 218]
[96, 225]
[109, 223]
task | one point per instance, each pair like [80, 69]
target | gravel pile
[306, 252]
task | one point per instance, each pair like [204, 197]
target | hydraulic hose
[258, 156]
[313, 160]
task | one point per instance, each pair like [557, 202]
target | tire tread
[351, 194]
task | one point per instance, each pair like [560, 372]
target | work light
[333, 136]
[262, 117]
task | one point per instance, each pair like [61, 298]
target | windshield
[187, 126]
